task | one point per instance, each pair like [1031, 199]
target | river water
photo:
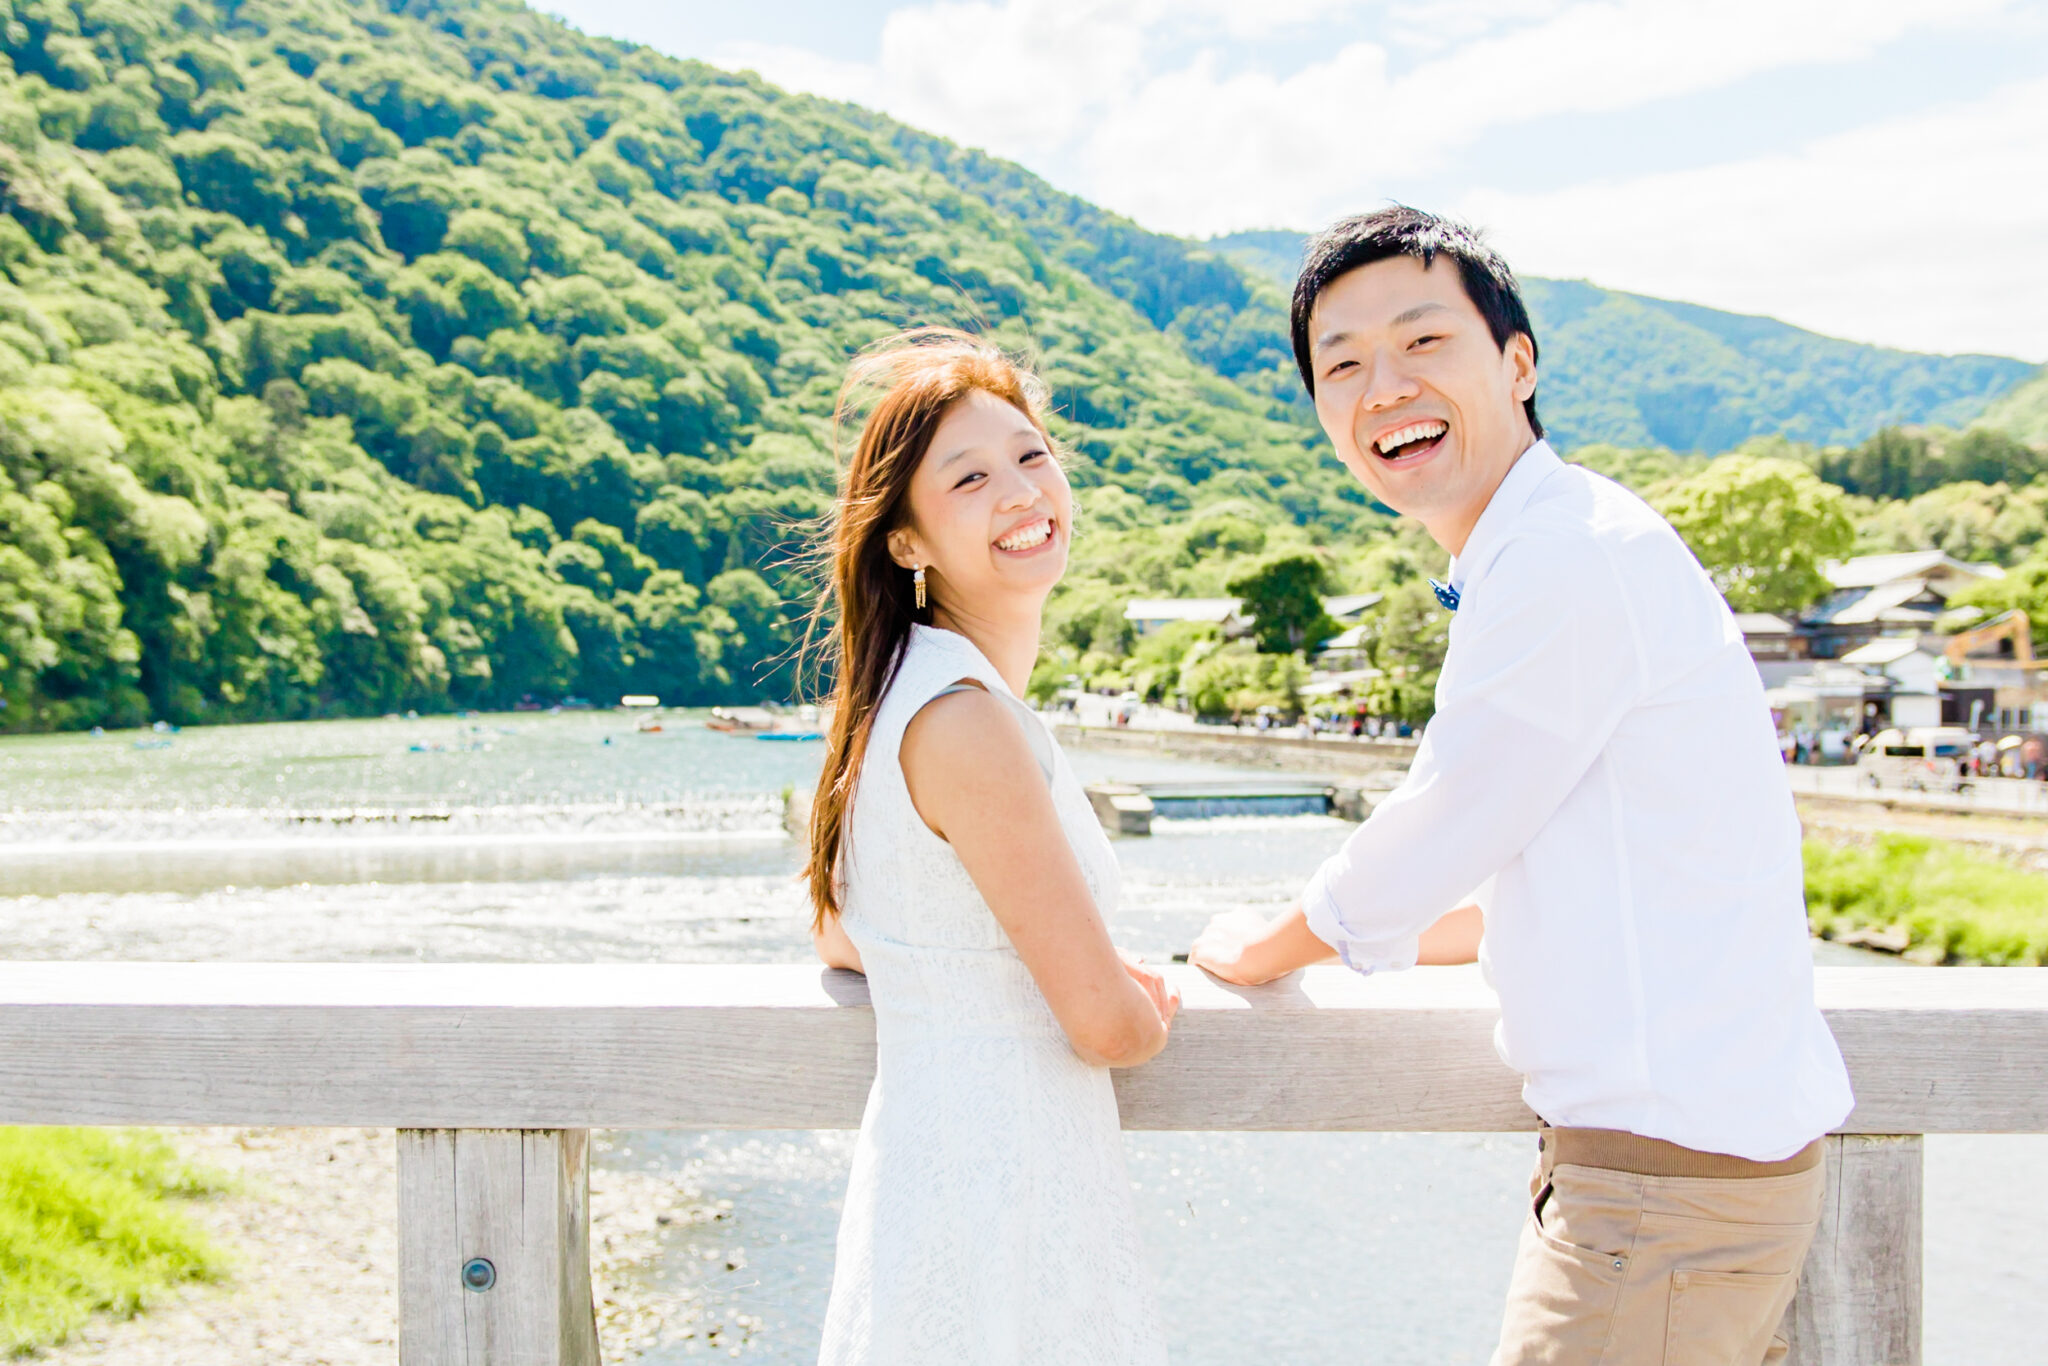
[573, 838]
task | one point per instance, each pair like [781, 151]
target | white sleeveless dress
[989, 1219]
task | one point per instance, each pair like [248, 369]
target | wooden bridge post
[1859, 1297]
[494, 1248]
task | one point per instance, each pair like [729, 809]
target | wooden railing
[493, 1074]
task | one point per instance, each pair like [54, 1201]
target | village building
[1770, 638]
[1869, 653]
[1348, 609]
[1341, 660]
[1147, 615]
[1885, 595]
[1913, 670]
[1992, 680]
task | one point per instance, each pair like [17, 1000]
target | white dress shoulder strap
[937, 662]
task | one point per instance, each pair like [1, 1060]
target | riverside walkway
[1156, 731]
[1984, 796]
[1243, 747]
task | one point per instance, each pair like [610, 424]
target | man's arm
[1453, 939]
[1543, 666]
[1245, 947]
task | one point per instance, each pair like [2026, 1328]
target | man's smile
[1410, 441]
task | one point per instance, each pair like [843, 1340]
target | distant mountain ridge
[2022, 412]
[1636, 370]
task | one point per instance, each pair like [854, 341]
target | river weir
[576, 838]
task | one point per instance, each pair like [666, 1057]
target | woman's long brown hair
[906, 385]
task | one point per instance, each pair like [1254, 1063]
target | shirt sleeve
[1542, 665]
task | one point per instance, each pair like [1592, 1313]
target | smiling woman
[957, 862]
[951, 428]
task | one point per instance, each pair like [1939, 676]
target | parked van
[1923, 759]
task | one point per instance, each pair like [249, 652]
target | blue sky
[1875, 170]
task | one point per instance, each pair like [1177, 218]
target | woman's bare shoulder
[969, 743]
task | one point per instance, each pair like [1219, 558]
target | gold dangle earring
[917, 582]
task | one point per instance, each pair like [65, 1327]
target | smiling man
[1602, 767]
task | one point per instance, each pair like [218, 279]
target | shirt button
[1617, 1267]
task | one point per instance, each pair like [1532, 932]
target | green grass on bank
[89, 1224]
[1955, 904]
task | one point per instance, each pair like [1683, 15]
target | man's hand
[1246, 948]
[1228, 947]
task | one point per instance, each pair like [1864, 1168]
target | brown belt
[1618, 1151]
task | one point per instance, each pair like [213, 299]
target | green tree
[1284, 598]
[1762, 528]
[1407, 635]
[1237, 680]
[1161, 659]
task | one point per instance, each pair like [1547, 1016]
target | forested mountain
[357, 356]
[2022, 412]
[1637, 371]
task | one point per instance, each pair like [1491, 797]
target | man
[1603, 767]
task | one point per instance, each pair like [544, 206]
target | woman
[955, 860]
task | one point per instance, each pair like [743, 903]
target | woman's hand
[1164, 997]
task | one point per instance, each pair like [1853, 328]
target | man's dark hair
[1402, 231]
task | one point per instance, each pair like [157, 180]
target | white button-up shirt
[1602, 766]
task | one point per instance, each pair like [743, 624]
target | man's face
[1423, 408]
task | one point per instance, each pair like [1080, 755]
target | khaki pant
[1643, 1253]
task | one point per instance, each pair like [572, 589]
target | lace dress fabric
[989, 1219]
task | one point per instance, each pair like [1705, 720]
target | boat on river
[769, 722]
[737, 720]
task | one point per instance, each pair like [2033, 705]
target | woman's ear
[903, 549]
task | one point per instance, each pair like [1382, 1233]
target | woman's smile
[1029, 538]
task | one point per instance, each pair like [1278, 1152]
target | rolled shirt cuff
[1359, 955]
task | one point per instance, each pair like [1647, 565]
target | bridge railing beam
[494, 1073]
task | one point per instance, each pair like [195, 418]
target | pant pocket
[1592, 1219]
[1724, 1318]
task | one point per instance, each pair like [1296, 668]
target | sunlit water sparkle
[574, 838]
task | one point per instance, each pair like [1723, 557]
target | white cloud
[796, 68]
[1929, 233]
[1198, 152]
[1598, 58]
[1161, 109]
[1083, 82]
[1026, 74]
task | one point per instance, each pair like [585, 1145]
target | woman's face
[990, 512]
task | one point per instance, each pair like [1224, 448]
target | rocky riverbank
[310, 1224]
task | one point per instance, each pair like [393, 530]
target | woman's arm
[975, 782]
[833, 946]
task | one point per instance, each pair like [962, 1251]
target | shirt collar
[1529, 471]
